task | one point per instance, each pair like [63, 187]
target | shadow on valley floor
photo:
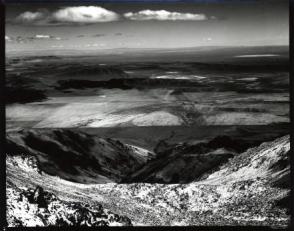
[254, 75]
[20, 89]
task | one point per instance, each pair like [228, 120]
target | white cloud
[30, 16]
[68, 15]
[97, 14]
[84, 14]
[163, 15]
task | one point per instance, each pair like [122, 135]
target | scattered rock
[42, 208]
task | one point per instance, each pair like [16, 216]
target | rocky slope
[36, 207]
[184, 163]
[250, 189]
[77, 156]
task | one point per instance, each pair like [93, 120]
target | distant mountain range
[204, 53]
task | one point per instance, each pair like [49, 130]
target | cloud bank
[79, 15]
[30, 16]
[68, 15]
[163, 15]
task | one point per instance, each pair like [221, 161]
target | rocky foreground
[36, 207]
[252, 188]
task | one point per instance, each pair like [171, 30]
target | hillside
[250, 189]
[86, 158]
[77, 156]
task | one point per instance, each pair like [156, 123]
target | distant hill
[188, 54]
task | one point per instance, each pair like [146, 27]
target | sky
[98, 25]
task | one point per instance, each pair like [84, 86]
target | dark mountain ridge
[77, 157]
[85, 158]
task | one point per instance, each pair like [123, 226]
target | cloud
[163, 15]
[28, 17]
[79, 15]
[85, 14]
[68, 15]
[118, 34]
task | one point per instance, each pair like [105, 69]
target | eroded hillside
[252, 188]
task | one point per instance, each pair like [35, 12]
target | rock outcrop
[36, 207]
